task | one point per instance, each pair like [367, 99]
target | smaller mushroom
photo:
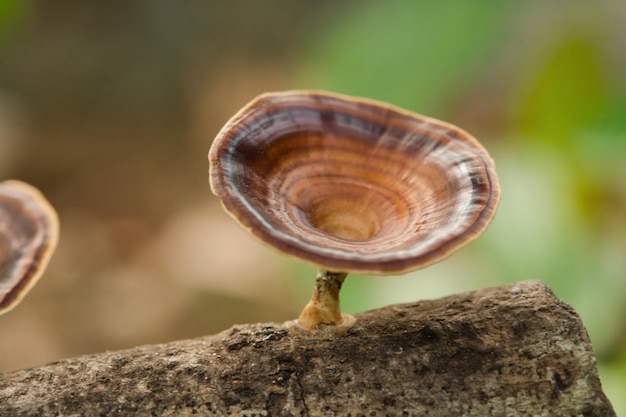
[29, 231]
[351, 185]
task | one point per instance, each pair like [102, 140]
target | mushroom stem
[323, 309]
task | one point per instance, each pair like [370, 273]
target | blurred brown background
[110, 109]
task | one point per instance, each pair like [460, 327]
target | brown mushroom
[29, 230]
[351, 185]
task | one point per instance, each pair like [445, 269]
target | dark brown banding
[28, 236]
[351, 184]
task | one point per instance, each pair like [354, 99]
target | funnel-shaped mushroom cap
[29, 230]
[351, 184]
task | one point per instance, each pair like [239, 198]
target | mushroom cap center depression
[345, 217]
[344, 189]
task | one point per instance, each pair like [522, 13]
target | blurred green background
[110, 109]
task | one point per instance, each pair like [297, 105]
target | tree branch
[514, 350]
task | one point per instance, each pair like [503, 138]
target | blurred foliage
[569, 93]
[13, 14]
[414, 54]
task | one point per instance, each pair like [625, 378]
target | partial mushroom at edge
[29, 230]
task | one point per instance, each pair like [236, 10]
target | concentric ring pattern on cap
[352, 184]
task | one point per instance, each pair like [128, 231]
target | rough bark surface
[509, 351]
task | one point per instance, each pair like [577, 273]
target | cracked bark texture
[514, 350]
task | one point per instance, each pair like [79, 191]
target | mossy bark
[514, 350]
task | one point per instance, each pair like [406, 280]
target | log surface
[514, 350]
